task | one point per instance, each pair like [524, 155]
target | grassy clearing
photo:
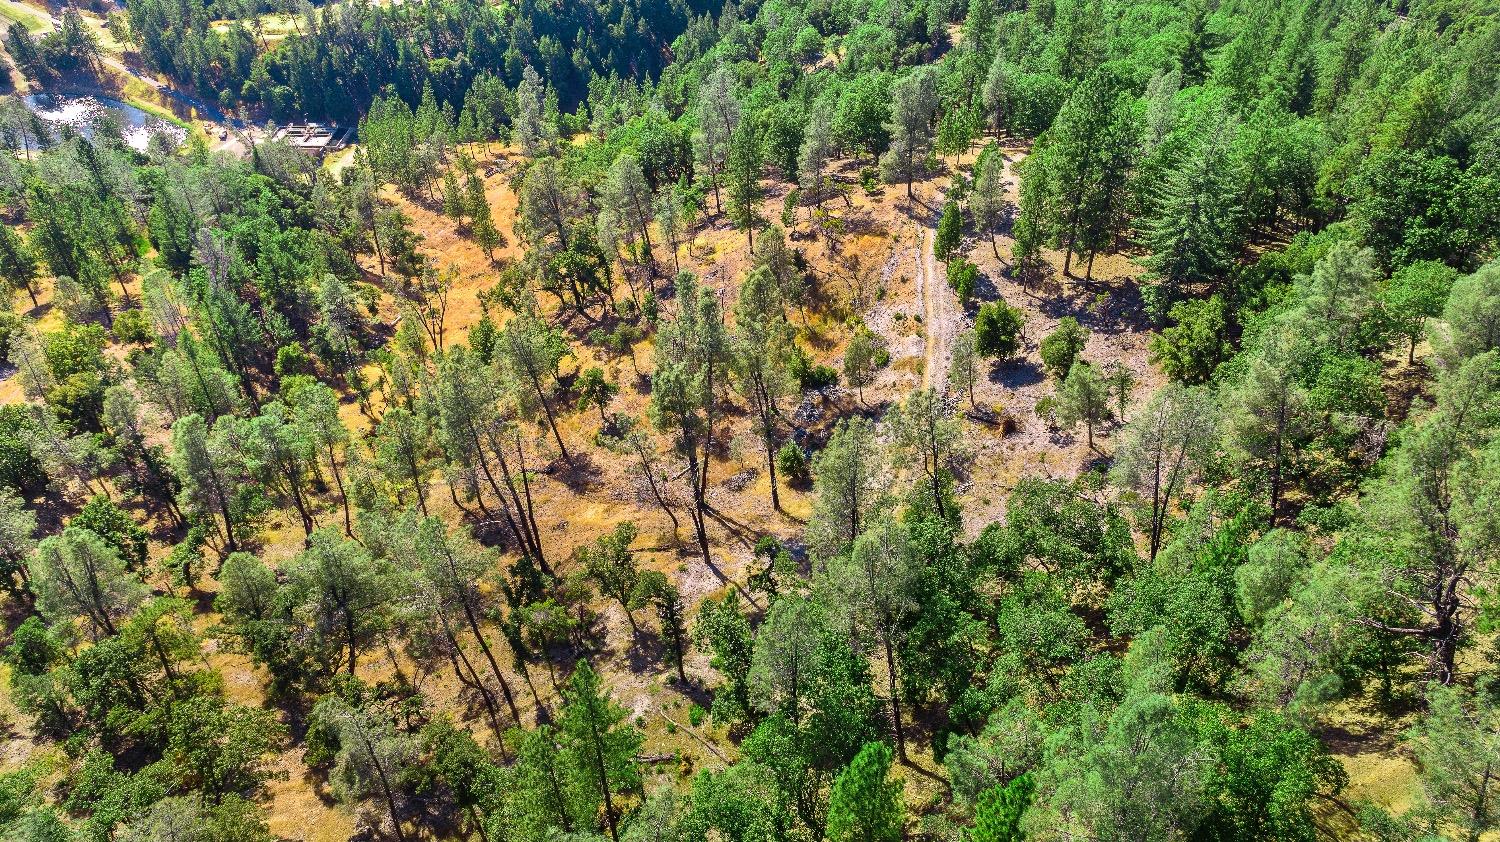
[31, 18]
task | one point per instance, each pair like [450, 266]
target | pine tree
[77, 575]
[865, 806]
[1173, 436]
[816, 151]
[718, 112]
[209, 468]
[17, 264]
[864, 355]
[691, 353]
[1083, 397]
[742, 177]
[453, 197]
[760, 348]
[1072, 187]
[872, 586]
[342, 595]
[963, 371]
[627, 194]
[949, 232]
[671, 616]
[1194, 229]
[849, 486]
[527, 358]
[997, 818]
[914, 103]
[988, 203]
[599, 743]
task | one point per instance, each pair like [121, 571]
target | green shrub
[1062, 346]
[963, 278]
[792, 463]
[997, 330]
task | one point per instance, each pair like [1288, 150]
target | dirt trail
[940, 311]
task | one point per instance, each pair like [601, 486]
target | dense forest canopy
[594, 451]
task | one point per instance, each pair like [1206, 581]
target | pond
[86, 114]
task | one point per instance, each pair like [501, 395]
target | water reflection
[91, 115]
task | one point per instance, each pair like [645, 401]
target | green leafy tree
[1414, 294]
[221, 748]
[611, 565]
[998, 329]
[1191, 349]
[963, 279]
[722, 627]
[119, 530]
[78, 575]
[595, 390]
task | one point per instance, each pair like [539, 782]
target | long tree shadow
[742, 532]
[690, 552]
